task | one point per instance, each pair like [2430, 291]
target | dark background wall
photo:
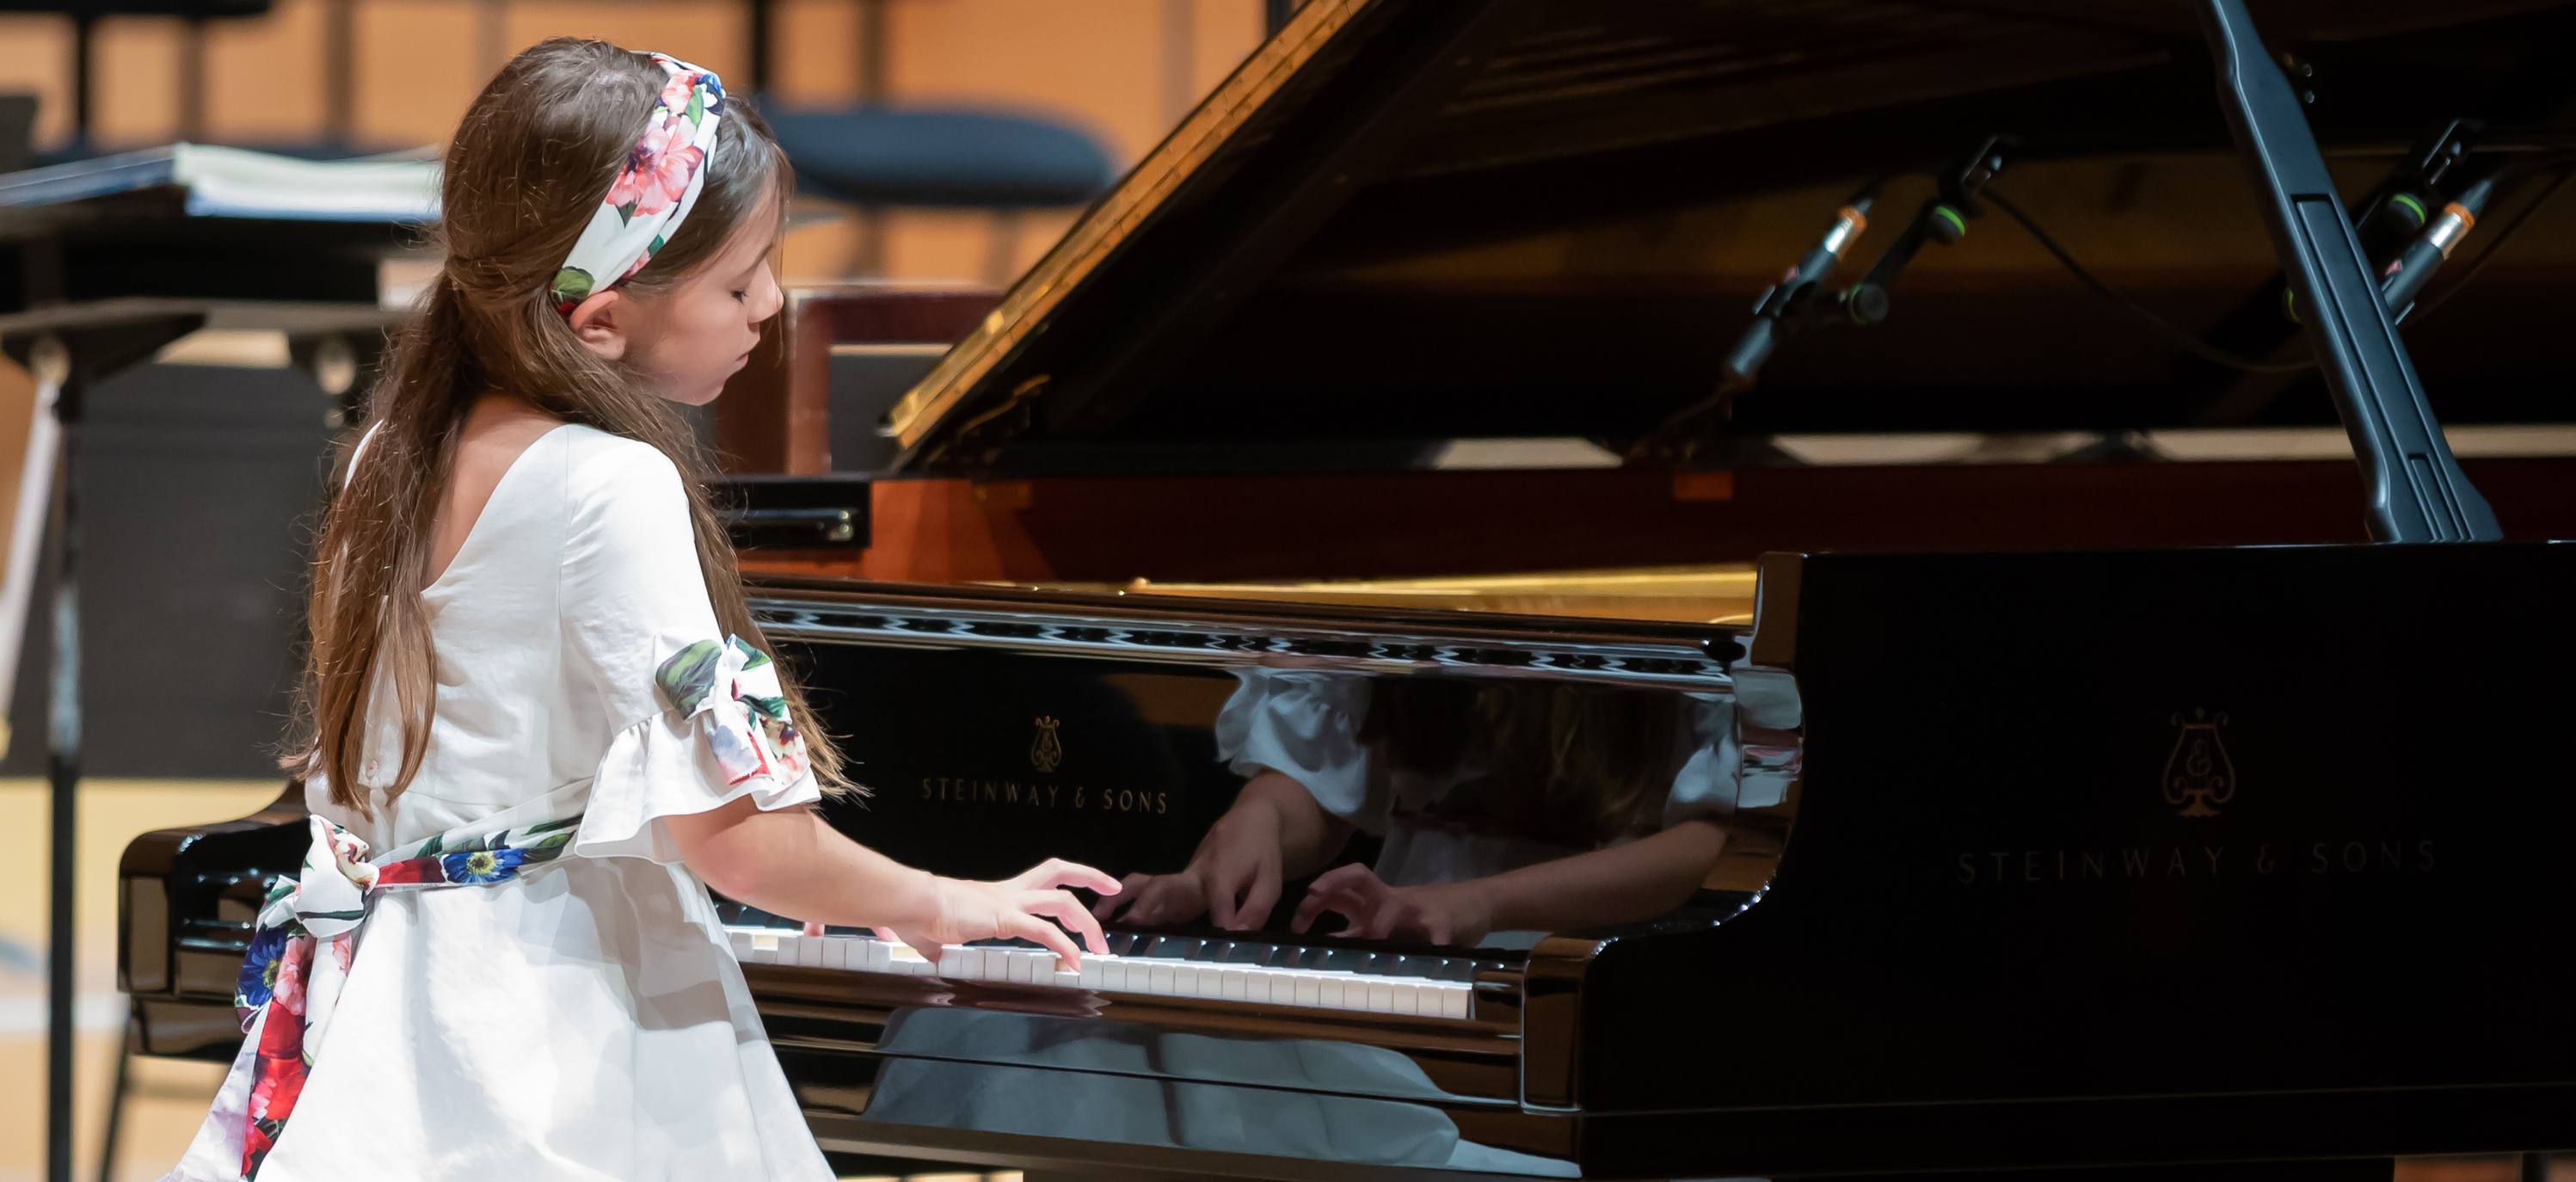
[198, 491]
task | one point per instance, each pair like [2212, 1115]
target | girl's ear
[599, 322]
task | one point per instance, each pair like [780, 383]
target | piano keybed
[1254, 972]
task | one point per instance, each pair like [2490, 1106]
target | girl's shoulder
[601, 466]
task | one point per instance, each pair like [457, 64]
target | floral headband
[664, 173]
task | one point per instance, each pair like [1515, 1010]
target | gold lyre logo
[1047, 750]
[2198, 775]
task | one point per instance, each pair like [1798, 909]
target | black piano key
[1171, 947]
[1248, 952]
[1284, 956]
[1350, 960]
[1415, 965]
[1121, 943]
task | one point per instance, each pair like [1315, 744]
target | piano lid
[1403, 223]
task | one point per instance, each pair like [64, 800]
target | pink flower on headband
[676, 95]
[657, 172]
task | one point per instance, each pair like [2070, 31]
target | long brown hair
[535, 152]
[1581, 766]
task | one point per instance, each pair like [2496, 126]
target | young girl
[540, 714]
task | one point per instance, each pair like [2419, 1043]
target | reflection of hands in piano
[1441, 913]
[1275, 830]
[1232, 878]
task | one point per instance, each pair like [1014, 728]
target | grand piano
[1680, 805]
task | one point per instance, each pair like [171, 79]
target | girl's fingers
[1310, 909]
[1352, 876]
[1031, 928]
[1263, 896]
[1070, 911]
[1341, 901]
[1056, 872]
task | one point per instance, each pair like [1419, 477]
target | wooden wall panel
[1122, 69]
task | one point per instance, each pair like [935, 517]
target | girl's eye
[738, 296]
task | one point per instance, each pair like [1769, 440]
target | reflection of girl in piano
[1500, 806]
[539, 720]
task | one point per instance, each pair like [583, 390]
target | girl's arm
[792, 863]
[1308, 836]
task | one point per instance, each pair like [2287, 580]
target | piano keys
[1304, 977]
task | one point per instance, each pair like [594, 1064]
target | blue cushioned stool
[875, 156]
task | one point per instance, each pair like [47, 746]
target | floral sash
[288, 989]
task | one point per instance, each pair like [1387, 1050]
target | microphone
[2405, 277]
[1794, 294]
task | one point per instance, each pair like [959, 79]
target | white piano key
[1094, 972]
[1283, 988]
[880, 956]
[958, 962]
[1161, 979]
[1065, 979]
[1329, 992]
[1453, 1001]
[1236, 984]
[764, 947]
[809, 951]
[1024, 964]
[1212, 979]
[836, 952]
[1310, 991]
[1406, 1000]
[1381, 998]
[1113, 975]
[740, 939]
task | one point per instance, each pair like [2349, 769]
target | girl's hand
[1018, 908]
[1443, 913]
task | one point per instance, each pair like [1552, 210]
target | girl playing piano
[539, 718]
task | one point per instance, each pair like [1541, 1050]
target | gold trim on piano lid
[1117, 215]
[1719, 594]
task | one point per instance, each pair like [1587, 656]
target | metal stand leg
[62, 742]
[64, 366]
[116, 1099]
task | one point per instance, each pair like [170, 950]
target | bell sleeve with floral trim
[699, 717]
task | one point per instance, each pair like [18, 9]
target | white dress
[585, 1021]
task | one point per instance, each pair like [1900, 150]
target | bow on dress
[306, 937]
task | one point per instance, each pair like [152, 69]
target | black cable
[2425, 308]
[2178, 336]
[2186, 341]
